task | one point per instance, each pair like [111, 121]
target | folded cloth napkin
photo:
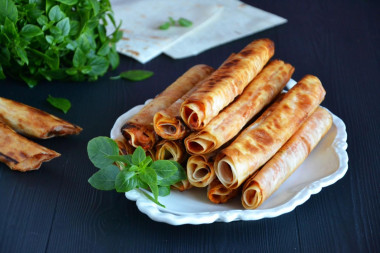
[237, 20]
[142, 39]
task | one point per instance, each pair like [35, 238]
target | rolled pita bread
[225, 83]
[200, 169]
[260, 187]
[171, 150]
[139, 130]
[218, 194]
[259, 93]
[260, 141]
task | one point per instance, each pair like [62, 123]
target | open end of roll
[34, 162]
[200, 146]
[169, 129]
[168, 155]
[225, 173]
[191, 117]
[137, 137]
[252, 197]
[200, 173]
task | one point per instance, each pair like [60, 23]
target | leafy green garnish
[134, 75]
[61, 103]
[57, 39]
[128, 172]
[181, 22]
[185, 22]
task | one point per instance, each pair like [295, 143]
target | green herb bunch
[56, 39]
[128, 172]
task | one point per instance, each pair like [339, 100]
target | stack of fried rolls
[233, 129]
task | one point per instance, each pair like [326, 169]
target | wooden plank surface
[56, 210]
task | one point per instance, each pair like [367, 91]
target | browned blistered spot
[263, 137]
[124, 38]
[157, 37]
[23, 154]
[125, 30]
[133, 52]
[246, 52]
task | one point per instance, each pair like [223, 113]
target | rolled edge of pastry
[259, 93]
[33, 122]
[182, 185]
[261, 140]
[171, 150]
[21, 154]
[225, 83]
[200, 169]
[260, 187]
[139, 130]
[124, 147]
[218, 193]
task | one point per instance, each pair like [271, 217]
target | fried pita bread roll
[171, 150]
[138, 130]
[218, 194]
[200, 169]
[33, 122]
[182, 185]
[20, 153]
[227, 82]
[168, 123]
[259, 93]
[124, 147]
[260, 187]
[260, 141]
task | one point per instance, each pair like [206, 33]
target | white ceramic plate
[325, 165]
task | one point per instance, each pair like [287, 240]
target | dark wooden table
[56, 210]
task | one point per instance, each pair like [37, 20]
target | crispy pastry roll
[182, 185]
[200, 169]
[262, 139]
[124, 147]
[20, 153]
[171, 150]
[227, 82]
[33, 122]
[259, 93]
[138, 130]
[218, 194]
[260, 187]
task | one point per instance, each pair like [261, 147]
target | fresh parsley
[60, 103]
[134, 75]
[181, 22]
[127, 172]
[57, 39]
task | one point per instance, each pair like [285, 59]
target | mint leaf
[99, 66]
[68, 2]
[179, 175]
[30, 31]
[172, 21]
[79, 58]
[127, 159]
[185, 22]
[99, 149]
[135, 75]
[64, 25]
[104, 179]
[164, 168]
[8, 9]
[55, 14]
[164, 26]
[163, 191]
[125, 181]
[138, 156]
[60, 103]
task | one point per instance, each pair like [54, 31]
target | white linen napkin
[142, 39]
[237, 20]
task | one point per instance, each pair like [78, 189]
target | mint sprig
[181, 22]
[127, 172]
[134, 75]
[60, 103]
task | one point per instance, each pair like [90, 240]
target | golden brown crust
[259, 93]
[218, 194]
[227, 82]
[182, 185]
[139, 130]
[260, 141]
[20, 153]
[33, 122]
[260, 187]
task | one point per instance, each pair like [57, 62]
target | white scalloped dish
[327, 163]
